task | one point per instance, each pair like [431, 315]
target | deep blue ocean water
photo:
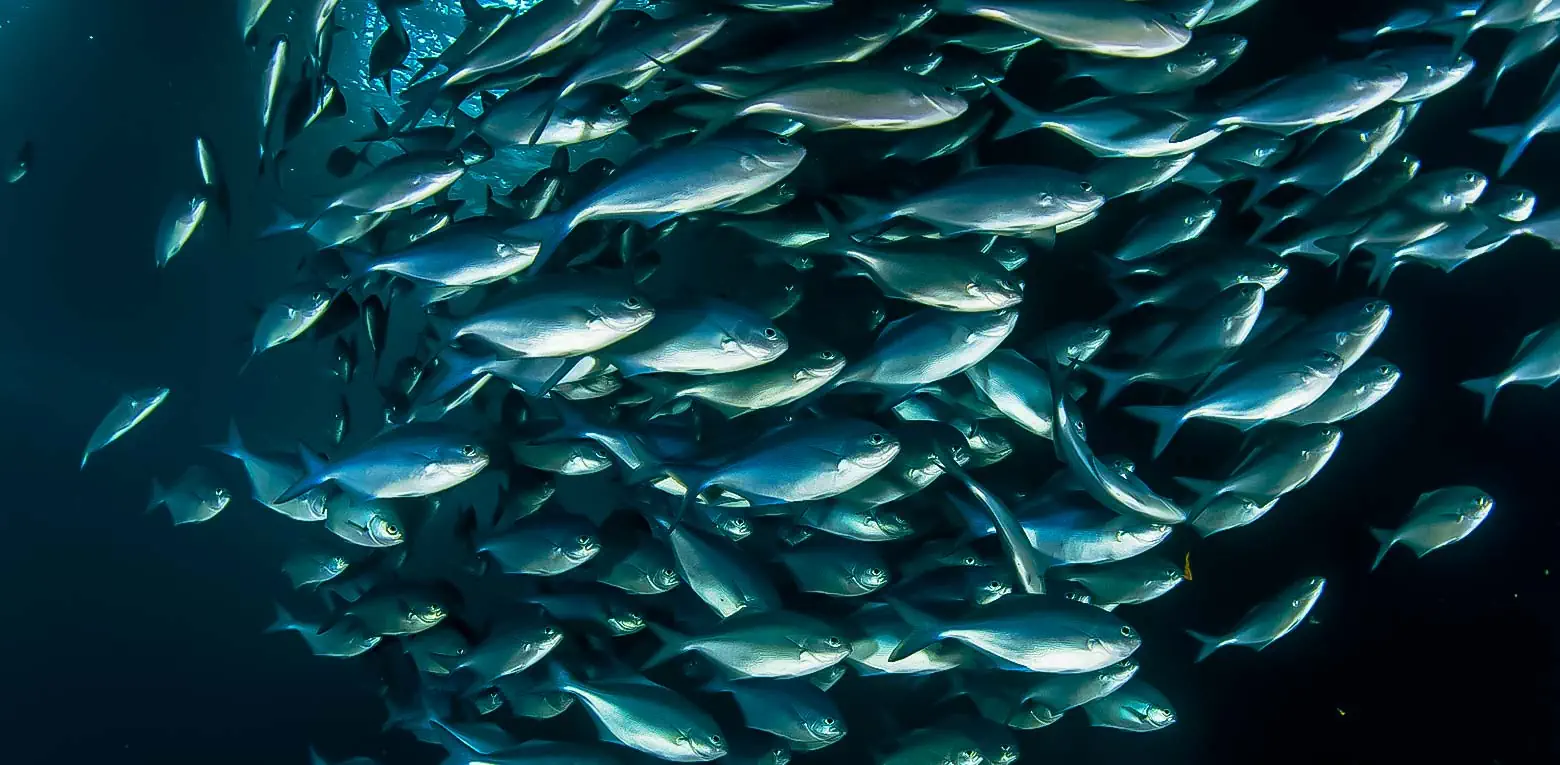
[127, 641]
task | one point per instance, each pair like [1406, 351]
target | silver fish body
[128, 412]
[1438, 518]
[1269, 620]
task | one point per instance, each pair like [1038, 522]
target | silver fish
[1125, 582]
[196, 497]
[1204, 58]
[766, 644]
[1268, 620]
[853, 98]
[804, 461]
[1281, 465]
[372, 523]
[794, 710]
[650, 718]
[409, 462]
[1011, 200]
[836, 567]
[703, 337]
[1262, 393]
[1536, 362]
[311, 569]
[269, 477]
[1230, 511]
[1356, 390]
[1438, 519]
[1137, 707]
[543, 545]
[286, 318]
[128, 412]
[788, 379]
[179, 224]
[1128, 30]
[556, 319]
[1333, 94]
[1040, 633]
[342, 641]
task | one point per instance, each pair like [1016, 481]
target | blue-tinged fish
[804, 461]
[1437, 519]
[1124, 582]
[1281, 464]
[1113, 482]
[1261, 393]
[1006, 200]
[833, 566]
[1112, 127]
[1268, 620]
[1230, 511]
[927, 346]
[128, 412]
[1335, 93]
[195, 498]
[286, 318]
[1035, 633]
[762, 644]
[342, 641]
[413, 461]
[371, 523]
[1058, 693]
[1536, 362]
[1136, 707]
[837, 40]
[1196, 345]
[1102, 27]
[1357, 389]
[1516, 137]
[1337, 157]
[555, 318]
[645, 716]
[704, 336]
[270, 476]
[718, 572]
[1528, 43]
[179, 224]
[794, 710]
[1204, 58]
[1223, 10]
[661, 185]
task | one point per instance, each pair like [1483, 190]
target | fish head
[1266, 272]
[1467, 186]
[762, 341]
[826, 728]
[384, 528]
[780, 754]
[1382, 377]
[1082, 344]
[1077, 197]
[219, 499]
[1201, 212]
[871, 577]
[1379, 79]
[823, 364]
[665, 578]
[145, 399]
[624, 314]
[947, 101]
[1117, 675]
[311, 303]
[1115, 642]
[733, 527]
[998, 291]
[465, 460]
[890, 523]
[334, 564]
[427, 614]
[1324, 364]
[1226, 48]
[625, 621]
[874, 450]
[828, 650]
[581, 548]
[1145, 534]
[775, 152]
[966, 757]
[1479, 508]
[993, 587]
[1510, 203]
[704, 745]
[1152, 714]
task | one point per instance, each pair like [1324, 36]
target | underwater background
[126, 641]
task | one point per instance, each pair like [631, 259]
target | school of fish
[666, 396]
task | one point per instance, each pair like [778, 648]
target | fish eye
[833, 642]
[949, 89]
[826, 355]
[1120, 535]
[468, 450]
[876, 572]
[1189, 220]
[1470, 177]
[993, 585]
[1086, 186]
[668, 573]
[584, 540]
[549, 631]
[782, 140]
[717, 740]
[392, 530]
[631, 302]
[827, 721]
[876, 439]
[318, 296]
[1170, 67]
[1127, 632]
[771, 333]
[1384, 369]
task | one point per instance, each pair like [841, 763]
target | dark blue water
[126, 641]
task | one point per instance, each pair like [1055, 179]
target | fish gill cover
[696, 330]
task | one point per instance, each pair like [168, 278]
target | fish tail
[1128, 299]
[285, 222]
[1167, 419]
[159, 496]
[284, 621]
[1496, 230]
[1487, 388]
[1022, 119]
[672, 644]
[1209, 644]
[1204, 488]
[84, 457]
[1514, 137]
[1267, 181]
[1112, 381]
[978, 524]
[1387, 539]
[1381, 268]
[233, 446]
[923, 632]
[548, 231]
[314, 474]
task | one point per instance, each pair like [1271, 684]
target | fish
[413, 461]
[879, 99]
[1536, 362]
[1278, 466]
[794, 710]
[366, 524]
[393, 610]
[645, 716]
[1204, 58]
[1357, 389]
[128, 412]
[801, 462]
[343, 641]
[1438, 518]
[1516, 137]
[1125, 582]
[21, 164]
[1335, 93]
[509, 649]
[542, 545]
[270, 92]
[1175, 224]
[704, 337]
[709, 175]
[1269, 620]
[179, 225]
[195, 498]
[793, 376]
[269, 476]
[250, 13]
[1264, 392]
[1038, 633]
[1127, 30]
[1528, 42]
[1006, 200]
[1137, 707]
[836, 567]
[287, 318]
[311, 569]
